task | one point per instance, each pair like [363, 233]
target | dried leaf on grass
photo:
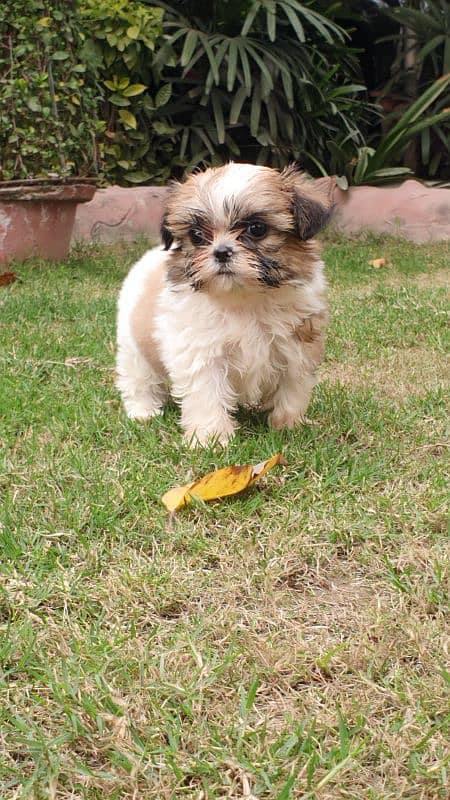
[377, 263]
[220, 483]
[7, 277]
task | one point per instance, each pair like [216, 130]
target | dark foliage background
[139, 91]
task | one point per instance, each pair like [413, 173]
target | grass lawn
[285, 643]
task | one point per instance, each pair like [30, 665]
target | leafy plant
[48, 105]
[423, 57]
[120, 42]
[268, 84]
[373, 165]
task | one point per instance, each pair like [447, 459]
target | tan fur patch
[311, 333]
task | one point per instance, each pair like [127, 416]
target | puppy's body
[220, 329]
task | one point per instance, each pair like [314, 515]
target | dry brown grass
[397, 374]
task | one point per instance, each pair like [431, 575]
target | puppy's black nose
[223, 252]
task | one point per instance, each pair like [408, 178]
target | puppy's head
[243, 227]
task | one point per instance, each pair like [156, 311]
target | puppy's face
[242, 227]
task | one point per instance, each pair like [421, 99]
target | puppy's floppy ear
[312, 204]
[166, 233]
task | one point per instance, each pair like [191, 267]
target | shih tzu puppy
[231, 310]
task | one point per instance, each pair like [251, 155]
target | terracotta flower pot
[37, 217]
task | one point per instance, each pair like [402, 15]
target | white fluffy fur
[143, 389]
[217, 357]
[221, 347]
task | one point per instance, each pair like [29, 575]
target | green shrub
[137, 91]
[120, 44]
[262, 80]
[423, 58]
[219, 81]
[48, 103]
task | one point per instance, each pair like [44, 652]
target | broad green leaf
[286, 80]
[189, 47]
[434, 164]
[392, 172]
[137, 177]
[232, 146]
[60, 55]
[271, 22]
[318, 21]
[219, 56]
[342, 182]
[196, 57]
[255, 111]
[364, 154]
[118, 100]
[163, 128]
[163, 96]
[265, 74]
[218, 117]
[434, 119]
[429, 46]
[349, 88]
[128, 119]
[214, 66]
[236, 106]
[184, 142]
[414, 19]
[134, 89]
[249, 19]
[295, 22]
[386, 175]
[34, 104]
[133, 32]
[316, 161]
[232, 64]
[205, 139]
[246, 70]
[198, 158]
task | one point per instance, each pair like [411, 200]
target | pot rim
[48, 181]
[74, 192]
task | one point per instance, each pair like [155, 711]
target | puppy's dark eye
[256, 229]
[196, 236]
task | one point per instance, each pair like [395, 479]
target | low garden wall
[412, 210]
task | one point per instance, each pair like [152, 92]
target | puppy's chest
[256, 355]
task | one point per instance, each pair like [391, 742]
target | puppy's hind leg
[143, 390]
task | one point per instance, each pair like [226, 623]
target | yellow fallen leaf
[220, 483]
[378, 262]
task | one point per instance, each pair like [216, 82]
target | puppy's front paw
[141, 410]
[199, 437]
[280, 418]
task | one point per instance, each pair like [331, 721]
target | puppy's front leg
[291, 400]
[207, 402]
